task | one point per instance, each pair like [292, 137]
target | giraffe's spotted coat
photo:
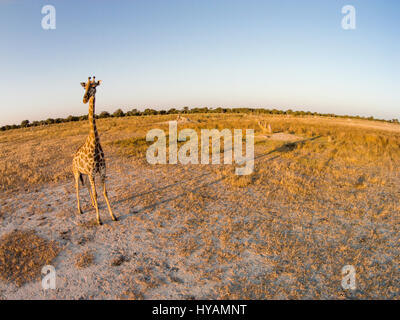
[89, 159]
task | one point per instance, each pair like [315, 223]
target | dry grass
[23, 254]
[32, 156]
[135, 147]
[84, 259]
[330, 147]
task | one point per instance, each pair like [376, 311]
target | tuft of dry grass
[120, 259]
[84, 259]
[132, 295]
[23, 254]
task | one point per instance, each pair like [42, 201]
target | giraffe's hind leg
[90, 193]
[77, 176]
[91, 196]
[93, 185]
[103, 181]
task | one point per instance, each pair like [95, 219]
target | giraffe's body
[89, 159]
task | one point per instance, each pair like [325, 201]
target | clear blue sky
[173, 53]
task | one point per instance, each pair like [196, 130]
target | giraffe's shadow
[164, 201]
[287, 147]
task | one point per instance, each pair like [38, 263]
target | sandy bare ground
[184, 234]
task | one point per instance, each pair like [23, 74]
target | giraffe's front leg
[94, 193]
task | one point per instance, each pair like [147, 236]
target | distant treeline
[186, 110]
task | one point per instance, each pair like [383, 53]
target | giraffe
[89, 159]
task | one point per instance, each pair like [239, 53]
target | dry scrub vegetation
[23, 254]
[84, 259]
[324, 194]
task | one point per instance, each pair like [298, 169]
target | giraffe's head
[90, 88]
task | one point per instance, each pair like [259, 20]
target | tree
[172, 111]
[72, 118]
[133, 112]
[104, 114]
[150, 112]
[118, 113]
[25, 124]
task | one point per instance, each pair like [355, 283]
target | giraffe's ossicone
[89, 159]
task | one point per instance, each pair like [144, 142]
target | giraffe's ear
[83, 84]
[98, 83]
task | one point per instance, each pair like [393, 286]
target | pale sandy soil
[187, 235]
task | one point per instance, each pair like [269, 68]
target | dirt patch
[23, 254]
[181, 119]
[282, 136]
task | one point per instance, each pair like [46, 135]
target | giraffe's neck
[92, 120]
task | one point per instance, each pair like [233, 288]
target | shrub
[118, 113]
[25, 124]
[104, 114]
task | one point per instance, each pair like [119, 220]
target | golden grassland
[324, 199]
[43, 154]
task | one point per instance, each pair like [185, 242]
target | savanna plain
[324, 194]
